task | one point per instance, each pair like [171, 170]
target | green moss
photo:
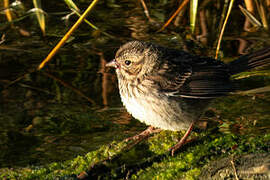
[185, 164]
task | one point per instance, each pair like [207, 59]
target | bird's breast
[152, 107]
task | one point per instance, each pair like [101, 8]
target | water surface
[72, 106]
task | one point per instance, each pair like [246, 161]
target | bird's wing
[194, 77]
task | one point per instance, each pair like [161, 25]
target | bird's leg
[183, 140]
[144, 135]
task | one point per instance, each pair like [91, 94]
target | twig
[77, 91]
[105, 77]
[93, 26]
[67, 35]
[34, 88]
[254, 91]
[234, 170]
[146, 12]
[7, 12]
[173, 16]
[223, 27]
[2, 39]
[19, 78]
[262, 14]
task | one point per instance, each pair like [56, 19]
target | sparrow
[170, 89]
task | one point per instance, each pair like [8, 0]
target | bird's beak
[113, 64]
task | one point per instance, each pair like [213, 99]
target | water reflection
[73, 106]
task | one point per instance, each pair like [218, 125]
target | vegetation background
[62, 118]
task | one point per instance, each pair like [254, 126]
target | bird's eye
[127, 62]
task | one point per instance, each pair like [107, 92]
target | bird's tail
[252, 61]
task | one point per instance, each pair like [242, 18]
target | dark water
[72, 106]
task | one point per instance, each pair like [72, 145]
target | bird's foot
[182, 141]
[143, 135]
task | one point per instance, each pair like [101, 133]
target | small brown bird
[170, 89]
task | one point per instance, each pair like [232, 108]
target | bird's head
[134, 59]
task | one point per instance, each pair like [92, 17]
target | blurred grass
[40, 15]
[193, 14]
[7, 10]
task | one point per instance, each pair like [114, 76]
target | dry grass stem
[193, 14]
[174, 14]
[40, 15]
[234, 170]
[67, 35]
[223, 27]
[146, 12]
[7, 11]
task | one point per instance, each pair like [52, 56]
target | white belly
[161, 114]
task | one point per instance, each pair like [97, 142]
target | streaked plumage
[170, 89]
